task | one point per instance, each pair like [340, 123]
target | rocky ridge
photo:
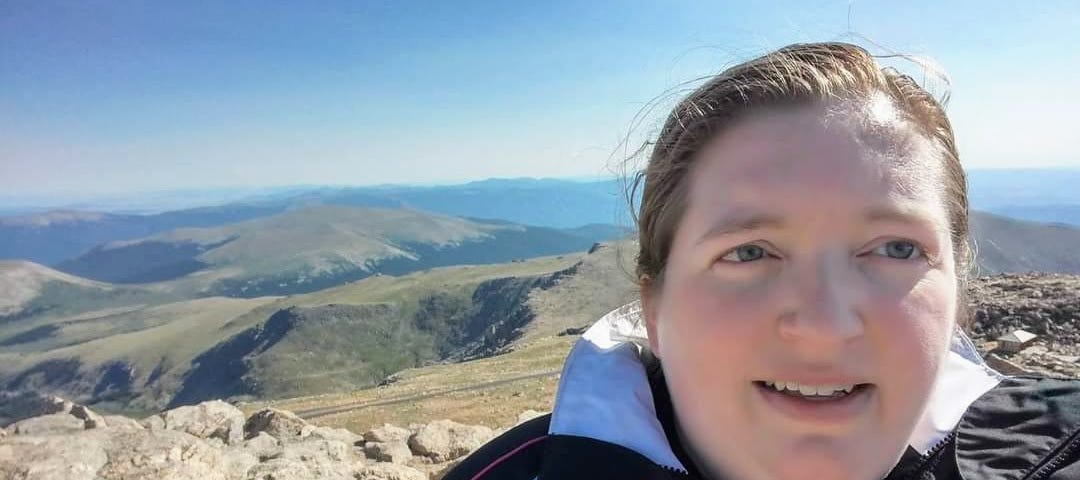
[214, 441]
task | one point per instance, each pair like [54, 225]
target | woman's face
[814, 256]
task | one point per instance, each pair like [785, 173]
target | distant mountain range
[311, 248]
[55, 236]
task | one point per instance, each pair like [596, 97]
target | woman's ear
[649, 312]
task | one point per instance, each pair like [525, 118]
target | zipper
[925, 460]
[677, 471]
[1063, 452]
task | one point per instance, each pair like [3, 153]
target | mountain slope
[52, 237]
[1008, 245]
[316, 247]
[28, 289]
[341, 338]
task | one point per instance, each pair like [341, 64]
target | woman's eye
[745, 253]
[898, 249]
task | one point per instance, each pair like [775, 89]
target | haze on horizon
[114, 97]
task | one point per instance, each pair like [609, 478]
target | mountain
[337, 339]
[1046, 213]
[28, 289]
[345, 337]
[54, 236]
[1044, 195]
[1008, 245]
[547, 202]
[312, 248]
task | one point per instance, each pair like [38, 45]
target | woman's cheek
[708, 319]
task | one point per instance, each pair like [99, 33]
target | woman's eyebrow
[898, 214]
[740, 223]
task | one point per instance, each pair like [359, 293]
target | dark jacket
[613, 420]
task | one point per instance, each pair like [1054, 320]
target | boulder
[394, 452]
[387, 433]
[66, 457]
[213, 419]
[124, 423]
[153, 422]
[444, 440]
[167, 455]
[314, 450]
[54, 424]
[389, 471]
[327, 433]
[328, 459]
[89, 418]
[263, 446]
[279, 423]
[292, 469]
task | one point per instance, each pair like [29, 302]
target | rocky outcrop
[214, 419]
[1042, 303]
[445, 440]
[213, 441]
[279, 423]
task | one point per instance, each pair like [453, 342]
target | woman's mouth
[816, 403]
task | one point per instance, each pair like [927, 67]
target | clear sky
[120, 96]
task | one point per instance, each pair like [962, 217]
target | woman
[803, 235]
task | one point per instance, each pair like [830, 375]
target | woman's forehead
[811, 155]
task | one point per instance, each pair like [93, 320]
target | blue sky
[107, 97]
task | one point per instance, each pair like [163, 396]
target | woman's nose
[824, 312]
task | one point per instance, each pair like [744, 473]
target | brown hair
[794, 75]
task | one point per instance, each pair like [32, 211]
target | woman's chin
[822, 461]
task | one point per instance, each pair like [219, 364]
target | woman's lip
[830, 412]
[816, 380]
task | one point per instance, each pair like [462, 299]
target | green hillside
[314, 248]
[347, 337]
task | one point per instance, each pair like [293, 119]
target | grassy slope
[168, 337]
[599, 285]
[330, 354]
[496, 406]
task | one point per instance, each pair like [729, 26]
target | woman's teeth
[810, 390]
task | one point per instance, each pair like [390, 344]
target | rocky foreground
[214, 441]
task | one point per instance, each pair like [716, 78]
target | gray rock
[279, 423]
[55, 424]
[68, 457]
[387, 433]
[389, 471]
[166, 455]
[394, 452]
[153, 422]
[280, 469]
[213, 419]
[327, 433]
[444, 440]
[263, 446]
[89, 418]
[290, 469]
[310, 459]
[124, 423]
[314, 450]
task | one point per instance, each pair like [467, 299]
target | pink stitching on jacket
[505, 456]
